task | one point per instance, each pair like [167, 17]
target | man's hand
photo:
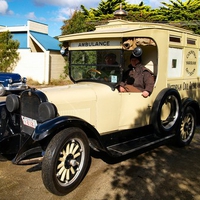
[145, 94]
[122, 89]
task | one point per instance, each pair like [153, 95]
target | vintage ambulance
[63, 123]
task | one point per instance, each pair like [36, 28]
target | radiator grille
[30, 101]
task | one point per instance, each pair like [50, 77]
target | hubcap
[169, 112]
[187, 127]
[70, 162]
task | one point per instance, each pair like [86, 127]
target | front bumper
[16, 87]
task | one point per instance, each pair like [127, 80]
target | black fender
[45, 131]
[166, 126]
[4, 120]
[186, 102]
[3, 117]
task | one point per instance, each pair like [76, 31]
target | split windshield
[96, 65]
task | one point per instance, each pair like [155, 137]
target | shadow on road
[166, 172]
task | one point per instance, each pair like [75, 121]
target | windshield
[96, 65]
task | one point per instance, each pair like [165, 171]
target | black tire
[166, 111]
[2, 90]
[187, 127]
[65, 161]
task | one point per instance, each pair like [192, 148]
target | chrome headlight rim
[10, 80]
[24, 79]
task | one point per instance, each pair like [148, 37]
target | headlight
[64, 51]
[24, 80]
[10, 80]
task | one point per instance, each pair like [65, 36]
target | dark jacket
[139, 77]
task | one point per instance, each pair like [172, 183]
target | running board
[136, 144]
[30, 161]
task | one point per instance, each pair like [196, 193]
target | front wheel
[65, 161]
[187, 127]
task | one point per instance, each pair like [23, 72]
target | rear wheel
[65, 161]
[166, 111]
[187, 127]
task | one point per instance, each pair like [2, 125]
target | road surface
[164, 173]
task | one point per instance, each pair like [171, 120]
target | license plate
[29, 122]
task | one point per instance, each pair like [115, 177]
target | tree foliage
[8, 52]
[183, 14]
[76, 24]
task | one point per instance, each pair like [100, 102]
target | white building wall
[57, 63]
[38, 27]
[46, 66]
[33, 65]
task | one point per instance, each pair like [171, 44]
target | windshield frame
[91, 66]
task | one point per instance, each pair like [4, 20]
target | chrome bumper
[16, 86]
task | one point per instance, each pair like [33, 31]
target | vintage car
[11, 82]
[58, 126]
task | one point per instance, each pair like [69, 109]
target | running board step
[136, 144]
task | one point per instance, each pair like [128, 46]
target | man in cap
[137, 78]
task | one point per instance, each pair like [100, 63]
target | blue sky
[50, 12]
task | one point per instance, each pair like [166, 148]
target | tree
[182, 14]
[8, 52]
[141, 13]
[106, 8]
[76, 24]
[105, 11]
[178, 13]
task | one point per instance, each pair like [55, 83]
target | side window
[175, 60]
[149, 56]
[139, 54]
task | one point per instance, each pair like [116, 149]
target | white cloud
[31, 15]
[67, 7]
[156, 3]
[152, 3]
[64, 13]
[75, 4]
[3, 7]
[134, 1]
[70, 5]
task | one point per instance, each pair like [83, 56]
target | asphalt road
[163, 173]
[2, 98]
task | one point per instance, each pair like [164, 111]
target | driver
[108, 68]
[110, 59]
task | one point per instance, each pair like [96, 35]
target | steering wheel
[99, 75]
[94, 74]
[93, 70]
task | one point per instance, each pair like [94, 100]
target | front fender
[57, 124]
[3, 119]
